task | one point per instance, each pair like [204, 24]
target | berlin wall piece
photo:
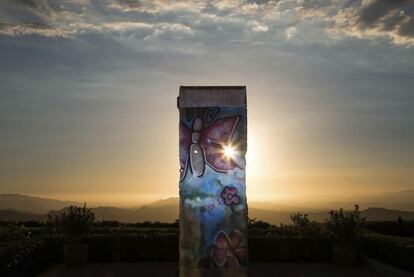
[213, 205]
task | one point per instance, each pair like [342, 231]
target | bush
[74, 224]
[304, 227]
[345, 227]
[258, 224]
[389, 249]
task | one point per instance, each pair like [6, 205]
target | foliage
[253, 223]
[164, 247]
[289, 249]
[345, 227]
[400, 227]
[300, 220]
[304, 227]
[154, 224]
[397, 251]
[28, 256]
[133, 247]
[74, 224]
[24, 254]
[11, 232]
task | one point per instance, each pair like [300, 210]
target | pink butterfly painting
[200, 146]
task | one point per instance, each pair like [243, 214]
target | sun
[229, 151]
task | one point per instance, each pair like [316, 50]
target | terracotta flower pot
[75, 255]
[345, 255]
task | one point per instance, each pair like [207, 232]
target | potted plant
[74, 223]
[345, 229]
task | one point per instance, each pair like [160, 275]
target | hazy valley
[17, 207]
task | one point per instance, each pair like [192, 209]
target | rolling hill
[10, 215]
[167, 211]
[26, 203]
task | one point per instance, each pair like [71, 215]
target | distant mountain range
[26, 203]
[401, 200]
[17, 207]
[10, 215]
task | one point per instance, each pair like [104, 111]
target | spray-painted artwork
[213, 208]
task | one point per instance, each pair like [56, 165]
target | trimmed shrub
[163, 248]
[149, 248]
[29, 256]
[400, 228]
[103, 248]
[389, 249]
[133, 248]
[289, 249]
[24, 255]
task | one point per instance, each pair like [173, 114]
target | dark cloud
[316, 4]
[388, 17]
[149, 21]
[372, 19]
[130, 3]
[28, 3]
[408, 28]
[28, 18]
[260, 2]
[374, 13]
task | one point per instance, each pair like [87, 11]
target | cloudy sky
[88, 94]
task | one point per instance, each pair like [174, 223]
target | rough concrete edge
[212, 96]
[386, 269]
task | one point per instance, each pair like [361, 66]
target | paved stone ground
[170, 270]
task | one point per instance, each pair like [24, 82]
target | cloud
[119, 65]
[369, 19]
[257, 27]
[196, 21]
[290, 32]
[29, 29]
[156, 6]
[393, 19]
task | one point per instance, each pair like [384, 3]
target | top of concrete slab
[211, 96]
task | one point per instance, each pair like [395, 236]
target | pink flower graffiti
[229, 250]
[229, 196]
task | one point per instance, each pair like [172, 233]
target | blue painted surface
[213, 209]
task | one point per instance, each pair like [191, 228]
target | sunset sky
[88, 94]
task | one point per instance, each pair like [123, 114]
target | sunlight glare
[229, 151]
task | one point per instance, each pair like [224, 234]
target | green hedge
[26, 257]
[289, 249]
[397, 251]
[133, 248]
[136, 248]
[392, 228]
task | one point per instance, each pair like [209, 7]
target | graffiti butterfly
[200, 146]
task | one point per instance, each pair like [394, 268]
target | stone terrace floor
[170, 270]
